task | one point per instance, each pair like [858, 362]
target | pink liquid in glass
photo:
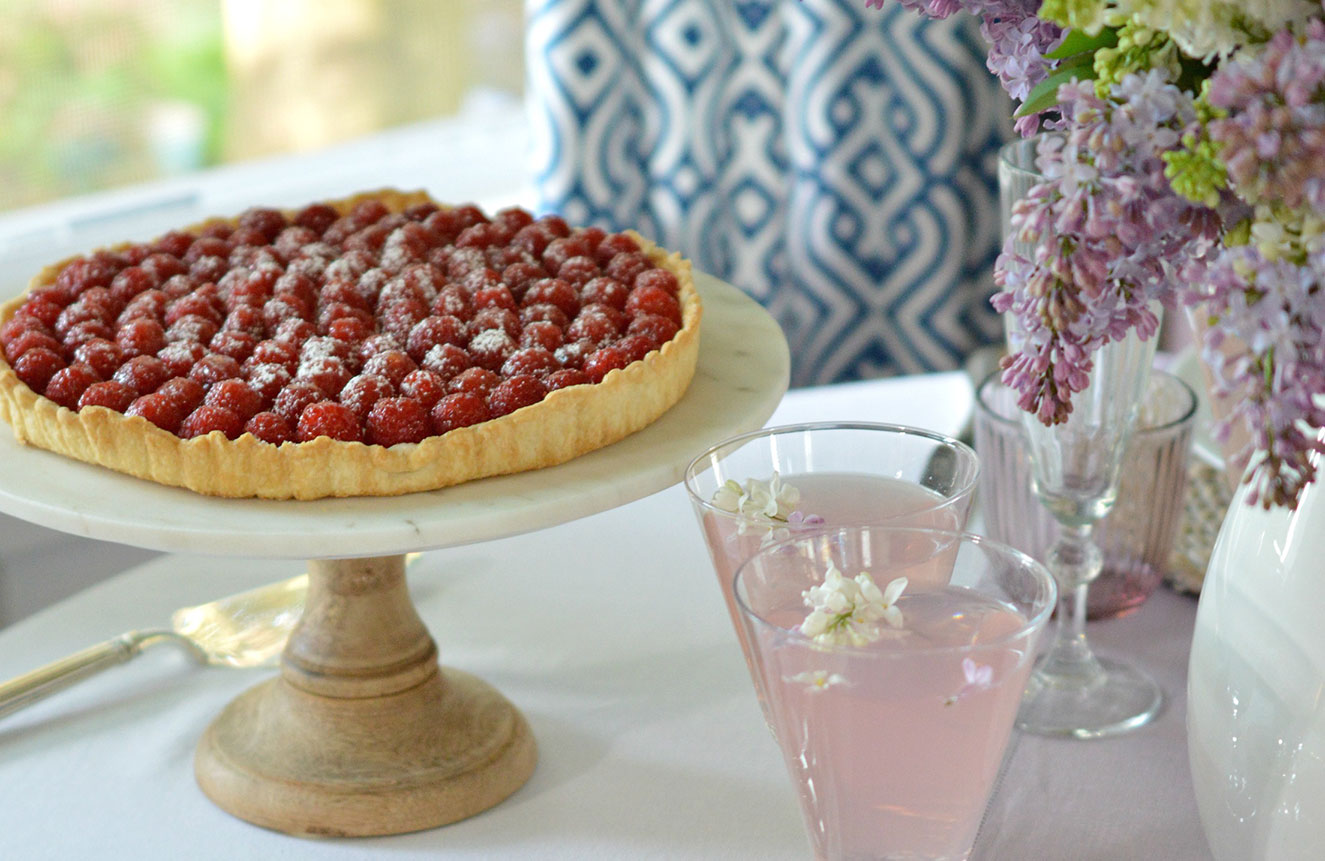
[894, 747]
[841, 499]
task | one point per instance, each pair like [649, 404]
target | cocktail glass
[831, 473]
[894, 740]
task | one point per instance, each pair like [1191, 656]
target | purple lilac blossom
[1273, 137]
[1109, 237]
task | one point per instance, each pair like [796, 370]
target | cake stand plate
[363, 733]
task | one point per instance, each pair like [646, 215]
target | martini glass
[1074, 473]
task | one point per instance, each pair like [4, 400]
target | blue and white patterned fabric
[835, 162]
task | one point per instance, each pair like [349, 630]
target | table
[609, 633]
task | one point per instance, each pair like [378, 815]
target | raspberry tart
[376, 345]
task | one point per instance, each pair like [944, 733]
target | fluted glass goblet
[1074, 471]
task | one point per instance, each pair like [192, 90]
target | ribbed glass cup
[1138, 534]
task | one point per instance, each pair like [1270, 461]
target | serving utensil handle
[58, 675]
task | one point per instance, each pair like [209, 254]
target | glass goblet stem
[1075, 561]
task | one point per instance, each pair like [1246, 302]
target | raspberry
[207, 246]
[513, 218]
[391, 365]
[247, 319]
[626, 266]
[294, 331]
[328, 373]
[400, 316]
[269, 427]
[78, 313]
[141, 337]
[479, 236]
[21, 324]
[158, 409]
[605, 291]
[174, 243]
[476, 381]
[268, 222]
[198, 303]
[208, 270]
[361, 392]
[420, 211]
[565, 378]
[459, 410]
[235, 395]
[214, 367]
[423, 386]
[42, 308]
[369, 211]
[446, 360]
[657, 329]
[532, 361]
[444, 224]
[370, 239]
[495, 318]
[494, 296]
[533, 238]
[349, 329]
[541, 333]
[29, 340]
[207, 418]
[110, 394]
[316, 217]
[593, 325]
[186, 393]
[217, 229]
[292, 239]
[82, 274]
[453, 301]
[298, 285]
[91, 330]
[602, 361]
[635, 347]
[490, 348]
[236, 344]
[554, 291]
[143, 374]
[181, 356]
[68, 384]
[151, 303]
[518, 276]
[292, 400]
[131, 282]
[275, 353]
[328, 418]
[374, 344]
[333, 311]
[578, 271]
[345, 292]
[101, 355]
[267, 379]
[554, 224]
[162, 267]
[397, 420]
[511, 394]
[324, 347]
[653, 299]
[661, 278]
[177, 287]
[192, 327]
[574, 353]
[431, 331]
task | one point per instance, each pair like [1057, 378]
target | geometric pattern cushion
[837, 163]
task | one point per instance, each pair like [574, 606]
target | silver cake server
[244, 630]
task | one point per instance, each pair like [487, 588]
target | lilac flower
[1273, 137]
[1108, 236]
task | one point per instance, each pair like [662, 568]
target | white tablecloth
[611, 636]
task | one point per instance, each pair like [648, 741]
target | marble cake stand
[362, 733]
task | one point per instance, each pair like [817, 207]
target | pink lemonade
[841, 499]
[894, 747]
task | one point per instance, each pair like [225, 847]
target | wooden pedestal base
[363, 734]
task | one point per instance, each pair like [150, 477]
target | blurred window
[96, 94]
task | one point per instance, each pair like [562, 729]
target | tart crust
[567, 423]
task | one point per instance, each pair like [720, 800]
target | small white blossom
[979, 677]
[816, 681]
[845, 612]
[762, 504]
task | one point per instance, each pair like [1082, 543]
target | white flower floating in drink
[979, 677]
[847, 612]
[766, 506]
[816, 681]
